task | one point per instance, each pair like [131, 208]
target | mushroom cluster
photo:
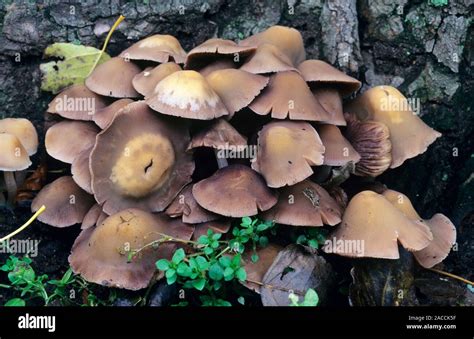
[18, 141]
[161, 141]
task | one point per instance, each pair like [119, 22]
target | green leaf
[225, 261]
[236, 260]
[171, 279]
[311, 298]
[199, 284]
[15, 302]
[178, 256]
[208, 251]
[171, 272]
[216, 236]
[241, 300]
[216, 272]
[246, 222]
[313, 243]
[203, 240]
[241, 274]
[228, 274]
[263, 241]
[263, 227]
[163, 264]
[254, 257]
[74, 66]
[202, 263]
[301, 239]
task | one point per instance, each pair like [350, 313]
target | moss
[438, 3]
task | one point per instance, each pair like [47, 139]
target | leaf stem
[451, 276]
[25, 225]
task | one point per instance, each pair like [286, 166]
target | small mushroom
[268, 59]
[288, 96]
[159, 48]
[99, 254]
[444, 232]
[186, 207]
[113, 78]
[67, 139]
[217, 65]
[236, 88]
[146, 81]
[371, 226]
[80, 170]
[409, 135]
[212, 48]
[234, 191]
[286, 151]
[305, 204]
[140, 160]
[371, 140]
[76, 102]
[256, 270]
[338, 151]
[217, 226]
[24, 130]
[186, 94]
[91, 217]
[286, 39]
[105, 116]
[66, 203]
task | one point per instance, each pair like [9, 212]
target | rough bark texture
[421, 46]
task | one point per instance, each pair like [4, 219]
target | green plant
[312, 237]
[215, 262]
[311, 298]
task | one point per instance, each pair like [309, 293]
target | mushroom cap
[217, 65]
[140, 160]
[146, 81]
[113, 78]
[444, 232]
[99, 254]
[67, 139]
[288, 40]
[288, 96]
[215, 47]
[256, 270]
[373, 225]
[186, 94]
[286, 151]
[409, 135]
[66, 203]
[24, 130]
[268, 59]
[76, 102]
[330, 99]
[13, 156]
[91, 217]
[371, 140]
[104, 117]
[217, 226]
[159, 48]
[305, 204]
[236, 88]
[338, 151]
[220, 135]
[80, 170]
[320, 72]
[234, 191]
[185, 206]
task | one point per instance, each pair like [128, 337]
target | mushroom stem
[221, 162]
[10, 184]
[20, 177]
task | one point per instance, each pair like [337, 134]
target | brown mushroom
[217, 226]
[113, 78]
[371, 226]
[67, 139]
[186, 94]
[217, 65]
[24, 130]
[212, 48]
[305, 204]
[80, 170]
[331, 100]
[338, 151]
[105, 116]
[268, 59]
[236, 88]
[288, 40]
[76, 102]
[186, 207]
[91, 217]
[256, 270]
[286, 151]
[444, 232]
[66, 203]
[409, 135]
[146, 81]
[99, 254]
[140, 160]
[234, 191]
[159, 48]
[288, 96]
[371, 140]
